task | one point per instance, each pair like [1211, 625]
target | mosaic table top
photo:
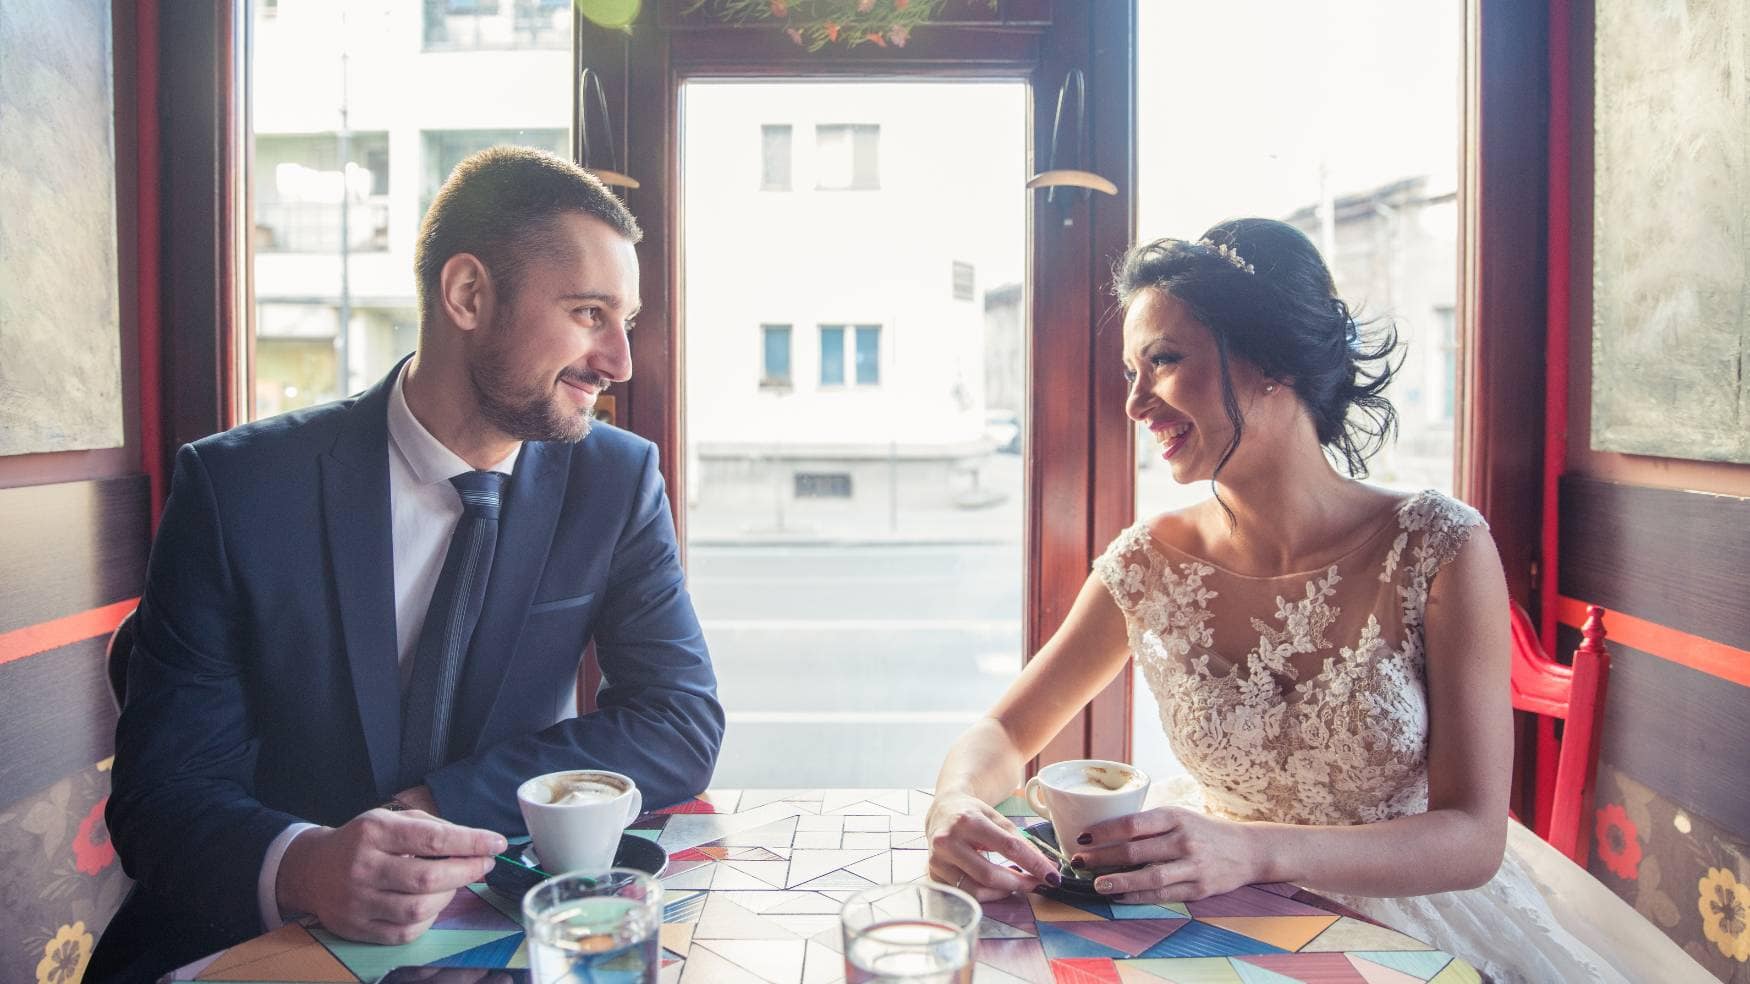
[755, 881]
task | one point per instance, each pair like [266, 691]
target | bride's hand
[1187, 856]
[960, 829]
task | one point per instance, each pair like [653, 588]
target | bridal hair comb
[1229, 254]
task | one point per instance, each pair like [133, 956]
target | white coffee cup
[576, 817]
[1077, 794]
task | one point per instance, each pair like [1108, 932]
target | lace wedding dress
[1301, 699]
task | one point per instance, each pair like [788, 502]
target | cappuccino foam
[582, 788]
[1097, 780]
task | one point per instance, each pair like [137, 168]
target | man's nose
[613, 358]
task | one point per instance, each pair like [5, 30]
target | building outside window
[832, 355]
[868, 355]
[775, 355]
[775, 157]
[444, 149]
[463, 25]
[847, 156]
[300, 189]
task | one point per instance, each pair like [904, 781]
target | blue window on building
[832, 355]
[775, 353]
[868, 355]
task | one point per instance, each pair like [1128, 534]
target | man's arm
[657, 717]
[182, 811]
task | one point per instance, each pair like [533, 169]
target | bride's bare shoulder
[1182, 529]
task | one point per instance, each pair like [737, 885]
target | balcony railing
[314, 227]
[465, 25]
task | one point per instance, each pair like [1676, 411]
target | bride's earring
[1269, 388]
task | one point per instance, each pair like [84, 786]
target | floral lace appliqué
[1295, 729]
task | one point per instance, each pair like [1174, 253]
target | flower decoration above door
[814, 24]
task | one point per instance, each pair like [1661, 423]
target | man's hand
[383, 877]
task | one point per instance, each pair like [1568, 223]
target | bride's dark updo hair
[1277, 309]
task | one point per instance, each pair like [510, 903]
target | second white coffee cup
[1077, 794]
[576, 817]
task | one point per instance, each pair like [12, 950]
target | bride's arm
[985, 764]
[1457, 844]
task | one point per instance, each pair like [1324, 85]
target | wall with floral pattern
[59, 879]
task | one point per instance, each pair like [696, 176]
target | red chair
[1575, 694]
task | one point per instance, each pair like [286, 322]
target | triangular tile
[990, 929]
[1085, 971]
[1250, 974]
[690, 854]
[684, 907]
[918, 802]
[724, 920]
[705, 967]
[683, 832]
[1373, 973]
[727, 879]
[1283, 932]
[986, 974]
[805, 924]
[697, 878]
[878, 869]
[1420, 964]
[760, 797]
[1179, 970]
[1249, 901]
[512, 909]
[1325, 968]
[1024, 959]
[1457, 972]
[1015, 807]
[779, 833]
[1012, 910]
[370, 961]
[1131, 937]
[1279, 888]
[805, 903]
[1099, 907]
[487, 955]
[676, 937]
[716, 852]
[1200, 939]
[805, 866]
[756, 854]
[1047, 909]
[897, 800]
[773, 873]
[289, 953]
[840, 879]
[467, 910]
[1173, 910]
[771, 961]
[1352, 934]
[1061, 944]
[757, 901]
[822, 966]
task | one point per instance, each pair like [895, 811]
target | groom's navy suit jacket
[263, 688]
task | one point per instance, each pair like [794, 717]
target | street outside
[853, 656]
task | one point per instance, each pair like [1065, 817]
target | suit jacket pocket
[560, 604]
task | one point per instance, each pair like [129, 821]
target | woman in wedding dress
[1330, 658]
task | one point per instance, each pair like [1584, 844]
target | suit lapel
[532, 504]
[361, 555]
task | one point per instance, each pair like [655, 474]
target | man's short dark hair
[499, 206]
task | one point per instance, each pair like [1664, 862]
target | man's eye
[1130, 375]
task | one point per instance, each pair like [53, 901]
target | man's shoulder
[606, 443]
[284, 438]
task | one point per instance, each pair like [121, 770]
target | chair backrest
[121, 647]
[1574, 694]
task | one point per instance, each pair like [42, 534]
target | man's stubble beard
[525, 416]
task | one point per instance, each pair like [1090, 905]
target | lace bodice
[1299, 698]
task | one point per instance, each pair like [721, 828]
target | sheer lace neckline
[1392, 523]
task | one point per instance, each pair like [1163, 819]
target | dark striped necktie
[427, 704]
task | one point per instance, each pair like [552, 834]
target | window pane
[847, 156]
[777, 356]
[775, 157]
[855, 551]
[832, 355]
[1345, 124]
[868, 354]
[361, 108]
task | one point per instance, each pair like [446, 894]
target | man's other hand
[383, 877]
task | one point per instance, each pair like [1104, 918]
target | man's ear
[465, 291]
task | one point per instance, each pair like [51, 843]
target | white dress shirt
[423, 511]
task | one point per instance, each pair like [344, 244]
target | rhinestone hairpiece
[1229, 254]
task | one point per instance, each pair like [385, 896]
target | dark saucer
[1077, 882]
[513, 880]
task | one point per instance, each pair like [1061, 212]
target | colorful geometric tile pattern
[754, 884]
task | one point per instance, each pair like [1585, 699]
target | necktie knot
[482, 493]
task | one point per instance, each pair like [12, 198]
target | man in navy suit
[362, 622]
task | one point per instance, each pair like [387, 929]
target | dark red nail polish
[1054, 878]
[1085, 839]
[1078, 862]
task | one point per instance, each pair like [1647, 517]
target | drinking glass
[594, 929]
[917, 933]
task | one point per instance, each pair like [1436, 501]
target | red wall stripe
[44, 636]
[147, 247]
[1713, 658]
